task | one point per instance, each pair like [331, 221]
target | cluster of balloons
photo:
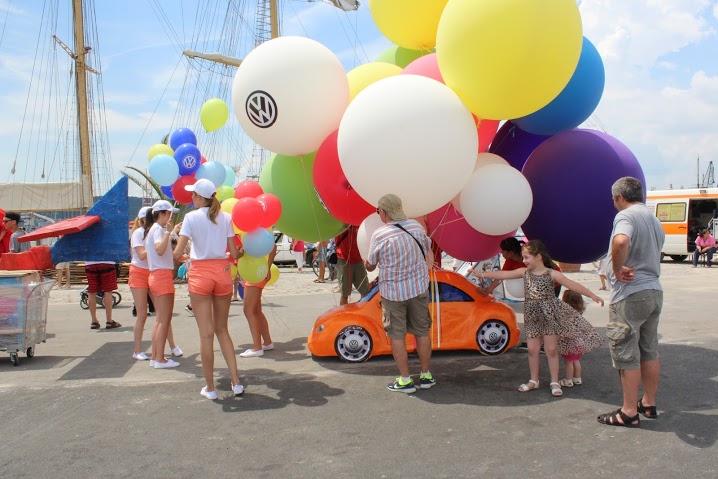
[421, 122]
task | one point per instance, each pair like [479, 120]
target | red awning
[64, 227]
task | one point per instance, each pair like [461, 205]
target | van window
[671, 212]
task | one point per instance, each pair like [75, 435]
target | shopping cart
[23, 317]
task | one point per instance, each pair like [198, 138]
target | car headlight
[320, 328]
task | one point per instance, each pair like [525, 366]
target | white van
[683, 213]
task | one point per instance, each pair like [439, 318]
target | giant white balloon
[482, 160]
[366, 229]
[496, 200]
[289, 94]
[410, 136]
[515, 287]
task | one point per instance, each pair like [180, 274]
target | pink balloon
[455, 236]
[247, 189]
[272, 209]
[247, 214]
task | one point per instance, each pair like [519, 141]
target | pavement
[82, 408]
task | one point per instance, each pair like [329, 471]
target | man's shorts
[161, 282]
[632, 329]
[101, 278]
[358, 278]
[63, 265]
[410, 316]
[210, 277]
[139, 277]
[322, 255]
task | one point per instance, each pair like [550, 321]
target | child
[583, 340]
[602, 265]
[545, 316]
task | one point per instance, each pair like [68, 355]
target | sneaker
[397, 386]
[169, 364]
[426, 381]
[152, 363]
[177, 352]
[188, 308]
[250, 353]
[208, 394]
[237, 389]
[140, 356]
[267, 347]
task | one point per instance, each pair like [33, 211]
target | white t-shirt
[138, 239]
[209, 240]
[154, 260]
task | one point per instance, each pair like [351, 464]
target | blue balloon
[181, 136]
[182, 271]
[231, 176]
[213, 172]
[188, 158]
[258, 243]
[163, 170]
[167, 191]
[577, 100]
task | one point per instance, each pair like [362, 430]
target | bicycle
[85, 294]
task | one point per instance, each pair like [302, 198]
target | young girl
[258, 325]
[543, 311]
[583, 340]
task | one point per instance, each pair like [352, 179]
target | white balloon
[482, 159]
[366, 229]
[496, 200]
[410, 136]
[515, 287]
[289, 94]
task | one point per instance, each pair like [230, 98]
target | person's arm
[619, 253]
[178, 252]
[162, 245]
[235, 252]
[490, 289]
[141, 252]
[270, 261]
[513, 274]
[561, 279]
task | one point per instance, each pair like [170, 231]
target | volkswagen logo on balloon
[189, 162]
[261, 109]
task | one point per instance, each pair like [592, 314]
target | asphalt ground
[82, 408]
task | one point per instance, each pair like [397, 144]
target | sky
[660, 99]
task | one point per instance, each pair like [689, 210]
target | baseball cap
[143, 212]
[391, 204]
[203, 187]
[163, 205]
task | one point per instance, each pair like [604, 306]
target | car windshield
[372, 292]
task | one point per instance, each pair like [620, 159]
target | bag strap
[413, 237]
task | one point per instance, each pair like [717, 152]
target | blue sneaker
[426, 381]
[398, 386]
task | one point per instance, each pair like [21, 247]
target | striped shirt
[403, 273]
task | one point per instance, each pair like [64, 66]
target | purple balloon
[571, 175]
[515, 145]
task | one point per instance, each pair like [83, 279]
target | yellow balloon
[225, 193]
[508, 58]
[238, 231]
[409, 23]
[274, 271]
[214, 114]
[252, 269]
[233, 271]
[159, 149]
[364, 75]
[228, 204]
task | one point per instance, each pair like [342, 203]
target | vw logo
[261, 109]
[262, 271]
[189, 161]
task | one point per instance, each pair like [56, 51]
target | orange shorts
[210, 277]
[161, 282]
[139, 277]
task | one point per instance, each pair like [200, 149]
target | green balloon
[304, 216]
[401, 56]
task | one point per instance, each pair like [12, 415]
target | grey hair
[629, 188]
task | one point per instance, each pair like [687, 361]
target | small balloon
[188, 158]
[224, 193]
[248, 189]
[214, 114]
[167, 191]
[272, 209]
[247, 214]
[231, 175]
[158, 149]
[228, 204]
[181, 136]
[258, 243]
[163, 169]
[252, 270]
[274, 275]
[181, 195]
[212, 171]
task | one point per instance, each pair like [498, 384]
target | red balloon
[247, 214]
[204, 160]
[487, 133]
[247, 189]
[333, 188]
[272, 209]
[181, 195]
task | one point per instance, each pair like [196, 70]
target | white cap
[143, 212]
[203, 187]
[163, 205]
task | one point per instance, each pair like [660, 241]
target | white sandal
[556, 391]
[529, 387]
[566, 383]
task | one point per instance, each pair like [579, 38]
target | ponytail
[149, 221]
[138, 223]
[214, 209]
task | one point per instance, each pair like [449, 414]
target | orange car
[462, 319]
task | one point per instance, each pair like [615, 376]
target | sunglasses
[378, 210]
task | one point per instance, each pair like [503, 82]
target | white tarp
[21, 197]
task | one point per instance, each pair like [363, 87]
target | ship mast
[82, 115]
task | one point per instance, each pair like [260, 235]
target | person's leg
[534, 351]
[58, 278]
[696, 255]
[550, 347]
[576, 370]
[709, 256]
[648, 346]
[603, 278]
[344, 287]
[650, 376]
[92, 303]
[150, 303]
[202, 307]
[401, 357]
[423, 348]
[569, 367]
[630, 382]
[107, 301]
[171, 337]
[140, 297]
[164, 305]
[264, 326]
[220, 315]
[252, 310]
[67, 277]
[322, 269]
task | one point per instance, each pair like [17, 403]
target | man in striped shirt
[400, 250]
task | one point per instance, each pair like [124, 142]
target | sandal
[318, 280]
[112, 325]
[612, 419]
[566, 383]
[556, 391]
[94, 325]
[531, 385]
[649, 412]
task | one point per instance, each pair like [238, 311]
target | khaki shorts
[632, 329]
[358, 278]
[410, 316]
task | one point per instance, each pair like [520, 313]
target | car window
[449, 294]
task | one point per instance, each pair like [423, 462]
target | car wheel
[493, 337]
[678, 257]
[353, 344]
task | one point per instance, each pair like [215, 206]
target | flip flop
[318, 280]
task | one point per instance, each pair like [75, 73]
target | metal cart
[23, 317]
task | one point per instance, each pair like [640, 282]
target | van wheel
[678, 257]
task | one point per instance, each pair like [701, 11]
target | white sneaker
[152, 363]
[188, 308]
[168, 364]
[177, 352]
[237, 389]
[267, 347]
[208, 394]
[140, 356]
[250, 353]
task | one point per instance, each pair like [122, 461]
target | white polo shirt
[138, 239]
[154, 260]
[209, 240]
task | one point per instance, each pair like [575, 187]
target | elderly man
[636, 300]
[400, 250]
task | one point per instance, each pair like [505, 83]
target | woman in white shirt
[210, 282]
[161, 282]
